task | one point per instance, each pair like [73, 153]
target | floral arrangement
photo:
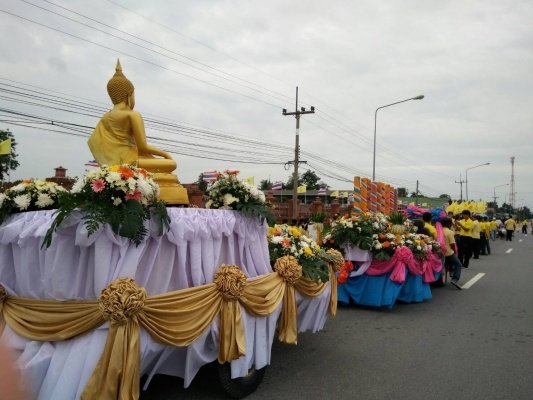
[29, 195]
[230, 193]
[123, 196]
[357, 230]
[384, 245]
[284, 240]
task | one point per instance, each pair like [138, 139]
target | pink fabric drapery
[403, 257]
[432, 266]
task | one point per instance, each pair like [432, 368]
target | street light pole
[505, 184]
[420, 97]
[466, 178]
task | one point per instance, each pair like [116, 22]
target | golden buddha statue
[120, 138]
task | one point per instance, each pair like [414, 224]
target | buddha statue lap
[120, 138]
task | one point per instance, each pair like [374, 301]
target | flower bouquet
[29, 195]
[230, 193]
[384, 245]
[418, 244]
[284, 240]
[123, 196]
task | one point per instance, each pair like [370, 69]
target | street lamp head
[419, 97]
[487, 163]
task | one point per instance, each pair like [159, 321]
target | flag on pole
[5, 147]
[92, 163]
[277, 185]
[250, 180]
[301, 189]
[335, 193]
[322, 192]
[210, 176]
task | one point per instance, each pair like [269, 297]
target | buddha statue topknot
[120, 138]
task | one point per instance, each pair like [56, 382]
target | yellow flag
[301, 189]
[5, 147]
[250, 180]
[335, 194]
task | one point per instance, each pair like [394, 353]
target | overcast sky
[229, 68]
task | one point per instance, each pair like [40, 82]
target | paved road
[474, 344]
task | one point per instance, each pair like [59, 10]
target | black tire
[239, 388]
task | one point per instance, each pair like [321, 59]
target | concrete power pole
[512, 194]
[297, 114]
[461, 183]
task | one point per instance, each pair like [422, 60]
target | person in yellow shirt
[476, 237]
[450, 256]
[485, 235]
[465, 226]
[427, 224]
[510, 226]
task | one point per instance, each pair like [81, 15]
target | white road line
[509, 250]
[471, 282]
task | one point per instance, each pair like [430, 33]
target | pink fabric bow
[402, 257]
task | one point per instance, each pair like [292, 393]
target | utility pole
[416, 192]
[513, 193]
[297, 114]
[461, 183]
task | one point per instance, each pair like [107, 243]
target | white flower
[145, 188]
[44, 200]
[418, 248]
[117, 201]
[78, 185]
[2, 197]
[19, 188]
[22, 201]
[378, 245]
[276, 239]
[229, 199]
[209, 204]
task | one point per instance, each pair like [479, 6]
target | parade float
[386, 260]
[118, 278]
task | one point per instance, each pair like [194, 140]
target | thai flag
[92, 163]
[277, 185]
[322, 192]
[210, 176]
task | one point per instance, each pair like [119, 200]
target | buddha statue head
[119, 88]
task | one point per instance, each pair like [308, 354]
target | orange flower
[125, 172]
[286, 243]
[143, 172]
[381, 236]
[386, 244]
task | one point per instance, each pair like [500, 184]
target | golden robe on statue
[111, 143]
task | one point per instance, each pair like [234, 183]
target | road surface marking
[509, 250]
[471, 282]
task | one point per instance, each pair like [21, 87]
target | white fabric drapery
[78, 267]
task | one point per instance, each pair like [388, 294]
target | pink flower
[136, 195]
[98, 185]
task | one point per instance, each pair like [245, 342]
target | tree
[202, 185]
[444, 196]
[265, 184]
[402, 192]
[9, 161]
[309, 178]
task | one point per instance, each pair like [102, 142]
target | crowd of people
[468, 237]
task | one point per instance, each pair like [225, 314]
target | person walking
[465, 226]
[476, 236]
[493, 229]
[484, 236]
[451, 261]
[510, 226]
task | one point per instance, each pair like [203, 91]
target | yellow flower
[308, 251]
[114, 168]
[294, 231]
